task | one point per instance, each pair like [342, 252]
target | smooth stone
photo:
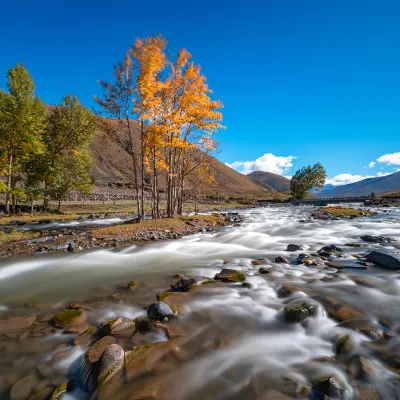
[142, 324]
[384, 260]
[22, 389]
[281, 259]
[230, 275]
[115, 326]
[299, 310]
[111, 361]
[377, 239]
[294, 247]
[68, 318]
[159, 311]
[183, 285]
[327, 388]
[16, 324]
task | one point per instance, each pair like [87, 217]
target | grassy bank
[346, 212]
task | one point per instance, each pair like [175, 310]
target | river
[264, 356]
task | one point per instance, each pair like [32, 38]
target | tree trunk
[9, 181]
[59, 205]
[142, 169]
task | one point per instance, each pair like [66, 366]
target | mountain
[273, 181]
[325, 189]
[365, 187]
[394, 194]
[113, 166]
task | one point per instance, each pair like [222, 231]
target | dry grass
[170, 224]
[14, 236]
[346, 212]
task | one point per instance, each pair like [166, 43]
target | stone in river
[111, 362]
[389, 261]
[327, 387]
[89, 363]
[263, 270]
[230, 275]
[281, 259]
[23, 388]
[117, 325]
[160, 311]
[299, 310]
[183, 285]
[68, 318]
[331, 249]
[294, 247]
[16, 324]
[59, 391]
[377, 239]
[142, 324]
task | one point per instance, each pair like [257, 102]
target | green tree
[22, 123]
[306, 179]
[373, 195]
[66, 163]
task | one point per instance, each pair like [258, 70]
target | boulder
[22, 389]
[111, 361]
[327, 387]
[117, 325]
[294, 247]
[16, 324]
[68, 318]
[183, 285]
[299, 310]
[90, 361]
[331, 249]
[389, 261]
[142, 324]
[377, 239]
[230, 275]
[160, 311]
[281, 259]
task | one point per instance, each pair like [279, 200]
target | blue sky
[301, 81]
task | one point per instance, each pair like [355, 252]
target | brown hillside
[394, 194]
[112, 166]
[277, 182]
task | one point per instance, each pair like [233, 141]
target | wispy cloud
[371, 164]
[267, 163]
[344, 179]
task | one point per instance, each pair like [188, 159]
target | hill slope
[274, 181]
[113, 166]
[365, 187]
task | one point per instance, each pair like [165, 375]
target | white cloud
[371, 164]
[267, 163]
[344, 179]
[391, 159]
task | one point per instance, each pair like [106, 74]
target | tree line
[160, 107]
[43, 152]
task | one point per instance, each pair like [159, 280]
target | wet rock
[59, 391]
[363, 368]
[365, 391]
[299, 310]
[23, 388]
[111, 361]
[247, 285]
[294, 247]
[142, 324]
[160, 311]
[86, 337]
[89, 365]
[308, 261]
[117, 325]
[326, 388]
[384, 260]
[68, 318]
[377, 239]
[16, 324]
[286, 290]
[281, 259]
[183, 285]
[230, 275]
[260, 261]
[345, 347]
[263, 270]
[345, 313]
[369, 328]
[331, 249]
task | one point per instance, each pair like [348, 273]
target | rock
[89, 364]
[294, 247]
[263, 270]
[377, 239]
[384, 260]
[23, 388]
[287, 290]
[281, 259]
[230, 275]
[117, 325]
[247, 285]
[345, 313]
[86, 337]
[260, 261]
[363, 368]
[327, 388]
[142, 324]
[59, 391]
[183, 285]
[72, 246]
[345, 346]
[111, 361]
[16, 324]
[299, 310]
[331, 249]
[68, 318]
[160, 311]
[365, 391]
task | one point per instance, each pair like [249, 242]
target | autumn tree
[306, 179]
[22, 123]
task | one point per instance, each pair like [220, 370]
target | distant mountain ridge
[274, 181]
[365, 187]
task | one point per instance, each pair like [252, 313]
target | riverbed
[236, 342]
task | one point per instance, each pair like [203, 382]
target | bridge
[326, 200]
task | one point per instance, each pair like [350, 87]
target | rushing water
[263, 353]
